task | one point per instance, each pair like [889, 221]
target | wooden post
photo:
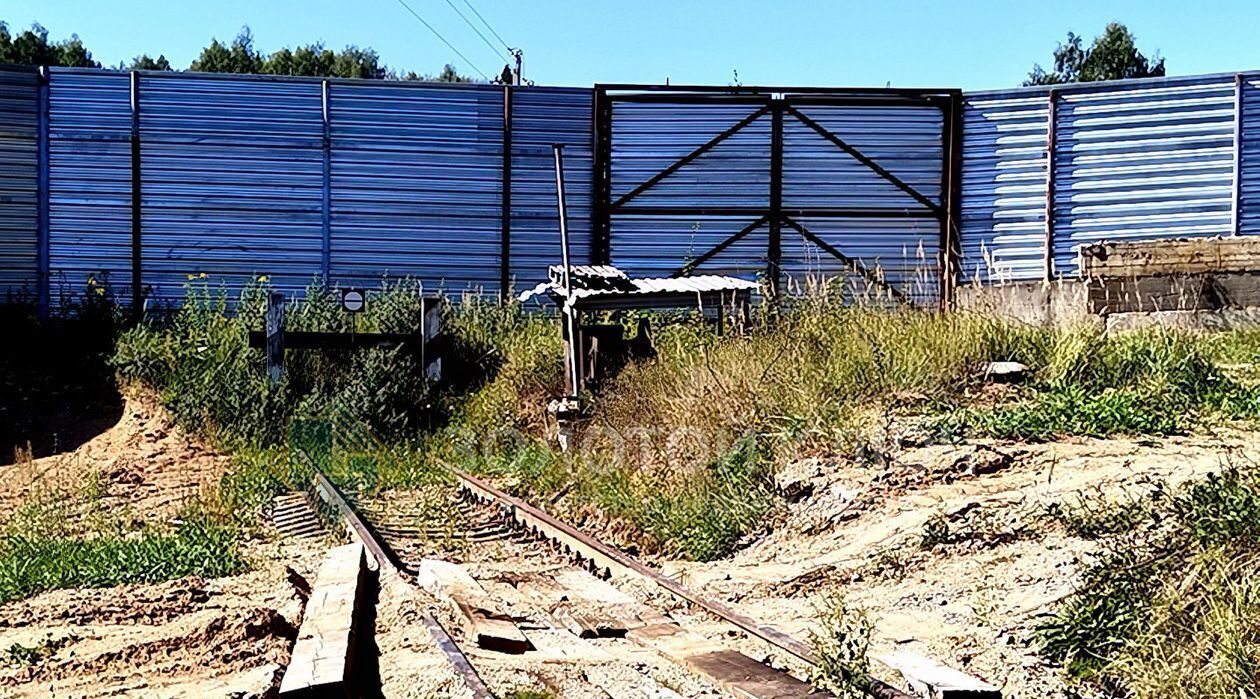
[275, 336]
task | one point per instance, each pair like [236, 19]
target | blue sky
[972, 45]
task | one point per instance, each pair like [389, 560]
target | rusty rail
[617, 562]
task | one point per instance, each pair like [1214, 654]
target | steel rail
[586, 546]
[454, 655]
[613, 560]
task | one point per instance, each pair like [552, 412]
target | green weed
[842, 640]
[1172, 611]
[31, 563]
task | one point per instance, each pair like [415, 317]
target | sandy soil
[143, 465]
[972, 604]
[228, 637]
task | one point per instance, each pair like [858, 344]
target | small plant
[842, 640]
[18, 654]
[936, 532]
[1094, 515]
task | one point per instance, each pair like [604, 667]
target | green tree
[1112, 56]
[239, 57]
[146, 62]
[32, 48]
[448, 75]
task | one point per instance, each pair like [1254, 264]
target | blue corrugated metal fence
[1047, 170]
[302, 179]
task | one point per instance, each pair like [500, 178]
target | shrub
[841, 638]
[215, 384]
[1173, 612]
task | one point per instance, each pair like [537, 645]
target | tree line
[33, 47]
[1113, 55]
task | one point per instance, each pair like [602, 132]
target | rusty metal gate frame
[781, 103]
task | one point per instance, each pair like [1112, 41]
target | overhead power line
[444, 41]
[492, 31]
[478, 31]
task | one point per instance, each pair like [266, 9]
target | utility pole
[517, 55]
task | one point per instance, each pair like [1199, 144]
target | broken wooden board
[323, 656]
[580, 604]
[731, 670]
[931, 680]
[480, 615]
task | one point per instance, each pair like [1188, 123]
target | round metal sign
[352, 300]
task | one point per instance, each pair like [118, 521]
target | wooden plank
[934, 681]
[323, 656]
[581, 603]
[1186, 256]
[480, 615]
[734, 672]
[1197, 292]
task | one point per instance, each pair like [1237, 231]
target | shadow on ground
[57, 390]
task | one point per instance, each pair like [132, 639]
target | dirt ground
[143, 464]
[226, 637]
[974, 604]
[971, 603]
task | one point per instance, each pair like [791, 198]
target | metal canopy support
[505, 221]
[137, 291]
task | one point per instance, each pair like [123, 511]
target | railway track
[561, 591]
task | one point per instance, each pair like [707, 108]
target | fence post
[601, 178]
[952, 243]
[137, 292]
[505, 224]
[326, 205]
[1052, 119]
[1235, 223]
[774, 252]
[43, 279]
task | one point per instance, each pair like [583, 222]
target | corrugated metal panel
[89, 151]
[901, 252]
[666, 243]
[647, 138]
[542, 117]
[1249, 209]
[232, 175]
[1003, 186]
[417, 184]
[1136, 163]
[906, 141]
[19, 183]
